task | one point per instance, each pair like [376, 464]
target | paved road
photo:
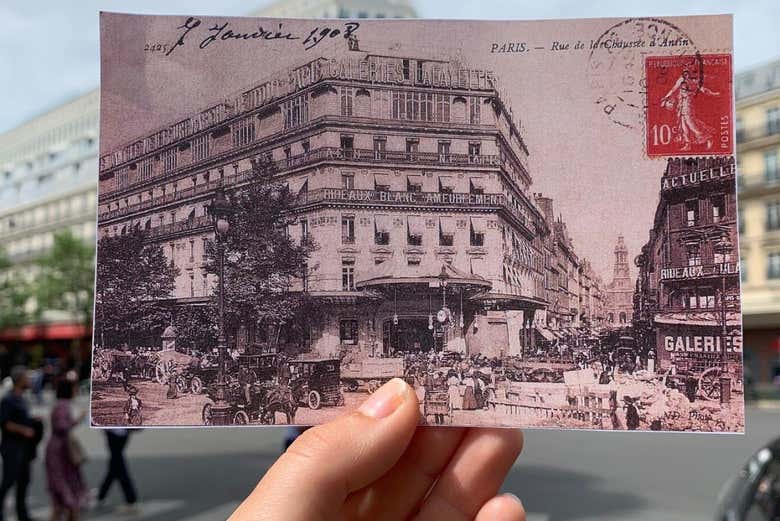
[199, 475]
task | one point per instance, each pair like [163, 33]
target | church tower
[620, 292]
[621, 275]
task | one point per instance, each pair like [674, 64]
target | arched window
[610, 318]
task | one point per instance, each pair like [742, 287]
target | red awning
[66, 331]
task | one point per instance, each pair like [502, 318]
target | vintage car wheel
[196, 385]
[160, 374]
[181, 384]
[352, 385]
[241, 418]
[314, 400]
[206, 414]
[709, 383]
[373, 385]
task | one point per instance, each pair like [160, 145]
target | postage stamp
[689, 105]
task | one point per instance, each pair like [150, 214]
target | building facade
[758, 149]
[620, 292]
[48, 171]
[688, 286]
[411, 176]
[338, 9]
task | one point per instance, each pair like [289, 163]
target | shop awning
[298, 185]
[698, 318]
[447, 182]
[415, 180]
[415, 225]
[447, 226]
[382, 223]
[381, 180]
[544, 333]
[397, 270]
[477, 183]
[478, 224]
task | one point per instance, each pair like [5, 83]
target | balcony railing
[180, 227]
[745, 135]
[351, 154]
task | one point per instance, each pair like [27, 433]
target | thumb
[326, 463]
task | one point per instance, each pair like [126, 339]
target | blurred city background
[48, 171]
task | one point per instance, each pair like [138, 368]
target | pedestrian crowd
[63, 454]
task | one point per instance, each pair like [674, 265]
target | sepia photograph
[293, 212]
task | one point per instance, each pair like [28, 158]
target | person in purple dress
[64, 457]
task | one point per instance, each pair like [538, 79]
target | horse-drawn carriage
[109, 363]
[538, 370]
[316, 382]
[700, 375]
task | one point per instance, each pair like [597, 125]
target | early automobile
[196, 376]
[262, 367]
[253, 402]
[316, 382]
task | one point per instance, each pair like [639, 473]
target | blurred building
[48, 170]
[758, 148]
[338, 9]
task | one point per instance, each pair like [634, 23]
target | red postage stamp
[689, 105]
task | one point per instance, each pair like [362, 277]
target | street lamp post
[724, 247]
[219, 210]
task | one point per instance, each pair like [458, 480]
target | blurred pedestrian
[21, 434]
[117, 470]
[65, 455]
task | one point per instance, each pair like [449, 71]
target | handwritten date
[222, 32]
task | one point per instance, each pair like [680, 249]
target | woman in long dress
[692, 129]
[453, 390]
[66, 484]
[469, 394]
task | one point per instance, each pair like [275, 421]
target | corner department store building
[405, 169]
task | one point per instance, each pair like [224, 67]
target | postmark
[616, 68]
[689, 105]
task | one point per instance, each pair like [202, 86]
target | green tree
[133, 280]
[261, 258]
[15, 291]
[66, 278]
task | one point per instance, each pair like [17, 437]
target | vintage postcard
[532, 223]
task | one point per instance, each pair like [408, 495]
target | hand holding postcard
[532, 223]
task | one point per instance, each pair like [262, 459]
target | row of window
[693, 212]
[46, 213]
[414, 230]
[772, 124]
[414, 106]
[40, 242]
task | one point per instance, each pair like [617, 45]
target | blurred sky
[49, 48]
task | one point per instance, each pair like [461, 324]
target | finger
[399, 492]
[505, 507]
[311, 480]
[473, 476]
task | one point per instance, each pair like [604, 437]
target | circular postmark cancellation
[616, 65]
